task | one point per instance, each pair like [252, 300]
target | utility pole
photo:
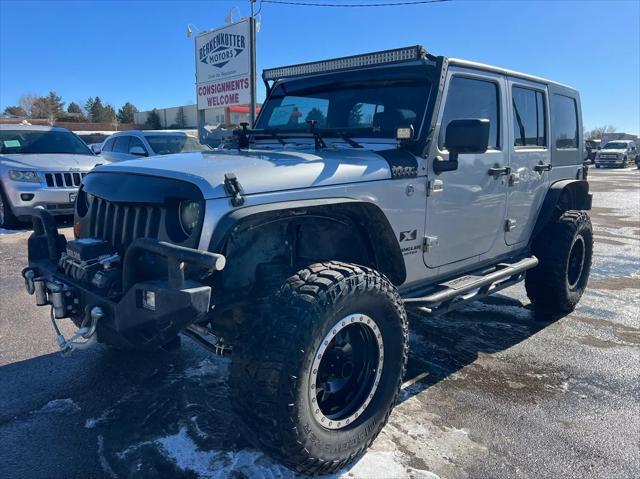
[253, 67]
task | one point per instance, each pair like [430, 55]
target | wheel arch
[367, 220]
[562, 196]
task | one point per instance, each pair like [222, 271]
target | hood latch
[234, 189]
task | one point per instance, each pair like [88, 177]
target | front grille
[120, 224]
[63, 179]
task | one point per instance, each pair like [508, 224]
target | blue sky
[138, 51]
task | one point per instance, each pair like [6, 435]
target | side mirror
[137, 151]
[96, 149]
[463, 136]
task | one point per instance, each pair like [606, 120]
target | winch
[94, 263]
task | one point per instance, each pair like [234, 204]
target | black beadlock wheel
[564, 250]
[315, 377]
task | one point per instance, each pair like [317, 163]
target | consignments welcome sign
[223, 66]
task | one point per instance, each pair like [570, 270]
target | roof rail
[384, 57]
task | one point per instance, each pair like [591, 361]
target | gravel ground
[496, 391]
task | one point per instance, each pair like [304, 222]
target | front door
[530, 157]
[466, 216]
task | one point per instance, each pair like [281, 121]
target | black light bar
[384, 57]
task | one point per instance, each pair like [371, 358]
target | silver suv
[40, 166]
[370, 186]
[127, 145]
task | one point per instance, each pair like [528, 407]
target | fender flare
[388, 255]
[562, 195]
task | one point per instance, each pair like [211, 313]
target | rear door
[121, 148]
[465, 215]
[530, 157]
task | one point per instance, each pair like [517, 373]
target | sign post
[225, 68]
[252, 107]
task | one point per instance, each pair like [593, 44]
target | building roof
[240, 109]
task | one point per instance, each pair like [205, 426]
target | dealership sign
[223, 66]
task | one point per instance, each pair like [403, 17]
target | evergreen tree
[181, 120]
[56, 105]
[88, 107]
[153, 120]
[74, 108]
[126, 113]
[15, 111]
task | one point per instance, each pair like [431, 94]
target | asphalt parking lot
[493, 390]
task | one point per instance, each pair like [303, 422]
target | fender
[562, 196]
[388, 256]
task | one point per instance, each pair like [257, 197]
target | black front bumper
[129, 320]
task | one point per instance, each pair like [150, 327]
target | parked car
[40, 166]
[617, 153]
[126, 145]
[371, 185]
[591, 148]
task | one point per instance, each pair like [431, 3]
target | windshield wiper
[348, 140]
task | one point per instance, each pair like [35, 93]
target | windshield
[369, 107]
[615, 146]
[52, 141]
[168, 144]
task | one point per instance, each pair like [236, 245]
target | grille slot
[120, 224]
[63, 179]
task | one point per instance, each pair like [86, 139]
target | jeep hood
[51, 162]
[262, 171]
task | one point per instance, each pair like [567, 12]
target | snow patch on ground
[180, 449]
[59, 406]
[385, 465]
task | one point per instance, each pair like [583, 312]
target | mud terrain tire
[564, 250]
[7, 218]
[276, 368]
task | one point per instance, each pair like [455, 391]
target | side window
[135, 141]
[565, 122]
[471, 98]
[122, 144]
[528, 117]
[108, 145]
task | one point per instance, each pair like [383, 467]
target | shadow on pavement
[107, 413]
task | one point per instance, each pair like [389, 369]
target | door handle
[543, 167]
[499, 171]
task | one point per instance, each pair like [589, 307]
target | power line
[352, 5]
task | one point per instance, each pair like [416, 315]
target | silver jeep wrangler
[370, 185]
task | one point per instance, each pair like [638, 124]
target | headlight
[25, 176]
[189, 215]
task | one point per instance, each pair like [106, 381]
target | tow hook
[84, 337]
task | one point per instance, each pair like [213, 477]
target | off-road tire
[7, 218]
[553, 285]
[272, 365]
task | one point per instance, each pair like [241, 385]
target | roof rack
[384, 57]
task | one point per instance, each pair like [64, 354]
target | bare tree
[597, 132]
[26, 102]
